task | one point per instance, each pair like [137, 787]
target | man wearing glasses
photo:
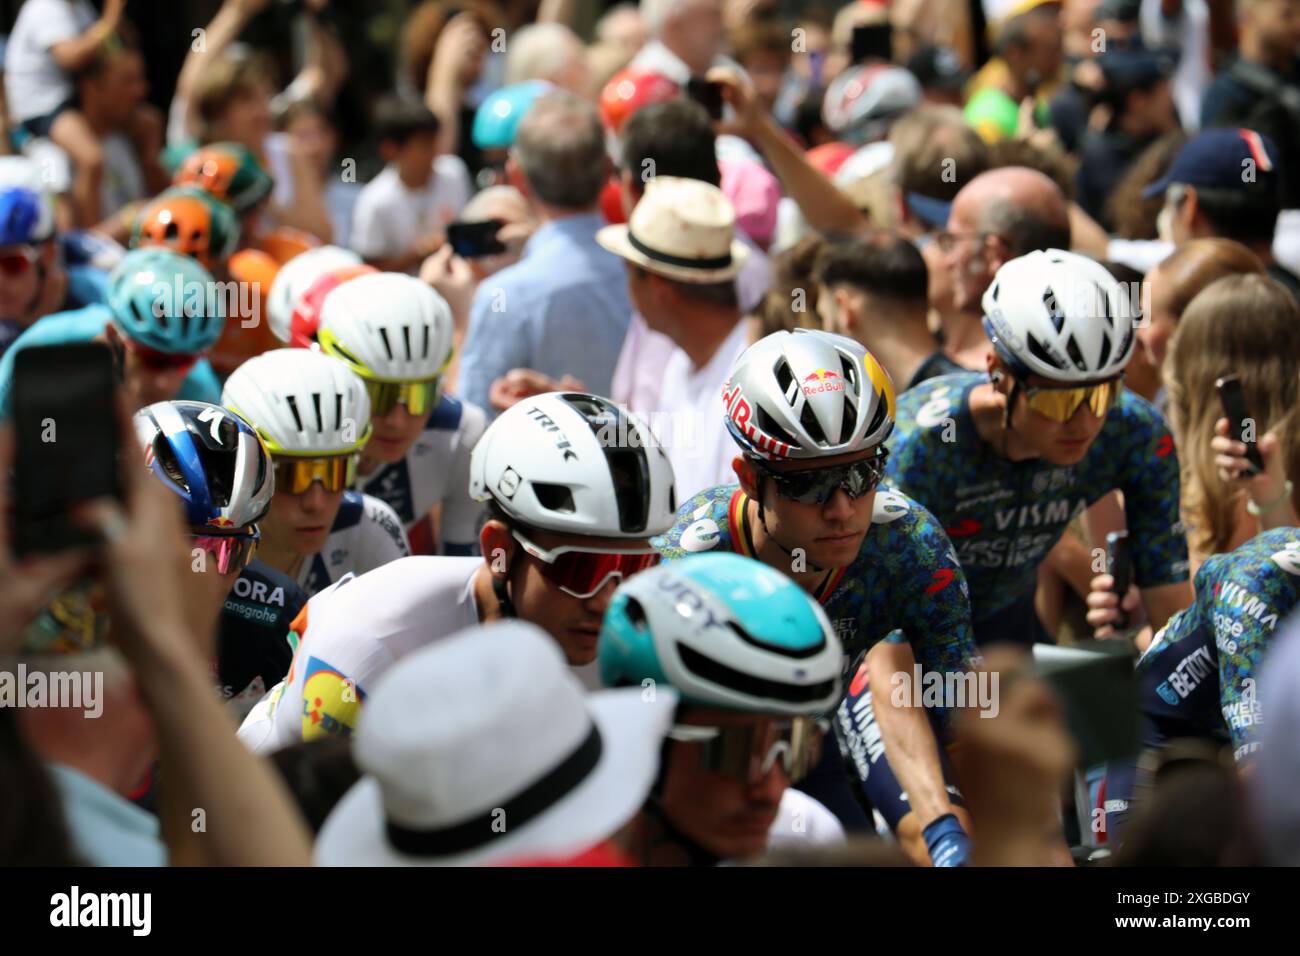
[811, 411]
[314, 415]
[997, 216]
[574, 488]
[1007, 458]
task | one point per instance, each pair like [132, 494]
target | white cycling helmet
[576, 464]
[293, 279]
[301, 402]
[808, 394]
[388, 327]
[1060, 315]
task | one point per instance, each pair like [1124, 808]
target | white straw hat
[683, 229]
[483, 749]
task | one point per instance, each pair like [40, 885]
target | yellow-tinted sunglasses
[295, 475]
[1060, 404]
[418, 397]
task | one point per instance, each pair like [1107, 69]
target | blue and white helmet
[724, 631]
[212, 459]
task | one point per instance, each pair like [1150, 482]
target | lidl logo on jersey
[331, 702]
[700, 536]
[823, 380]
[1187, 676]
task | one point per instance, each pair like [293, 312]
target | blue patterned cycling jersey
[905, 577]
[1004, 516]
[1199, 671]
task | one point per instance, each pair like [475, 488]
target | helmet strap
[762, 520]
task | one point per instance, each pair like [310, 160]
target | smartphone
[1098, 693]
[708, 94]
[471, 240]
[873, 42]
[1234, 409]
[66, 442]
[1119, 566]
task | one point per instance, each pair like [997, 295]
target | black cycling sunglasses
[816, 485]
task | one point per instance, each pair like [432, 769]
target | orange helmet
[246, 332]
[228, 171]
[284, 243]
[189, 221]
[629, 90]
[306, 313]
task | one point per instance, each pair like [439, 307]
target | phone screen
[1234, 409]
[66, 441]
[708, 95]
[1119, 567]
[874, 42]
[472, 240]
[1098, 692]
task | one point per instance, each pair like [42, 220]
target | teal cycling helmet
[497, 119]
[165, 301]
[724, 631]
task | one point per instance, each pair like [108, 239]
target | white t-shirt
[691, 420]
[34, 83]
[123, 178]
[365, 535]
[389, 217]
[352, 632]
[802, 820]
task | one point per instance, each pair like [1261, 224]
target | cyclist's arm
[910, 745]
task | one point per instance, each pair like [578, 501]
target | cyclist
[160, 356]
[314, 416]
[231, 173]
[810, 411]
[218, 466]
[396, 333]
[757, 665]
[569, 513]
[1005, 459]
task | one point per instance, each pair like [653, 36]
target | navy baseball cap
[933, 212]
[1217, 158]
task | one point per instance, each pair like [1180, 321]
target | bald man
[999, 215]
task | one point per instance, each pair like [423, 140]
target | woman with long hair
[1244, 325]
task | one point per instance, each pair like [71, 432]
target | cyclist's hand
[1104, 605]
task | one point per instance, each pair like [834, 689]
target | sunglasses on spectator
[418, 397]
[816, 486]
[15, 260]
[295, 475]
[749, 751]
[1060, 404]
[581, 572]
[233, 552]
[155, 361]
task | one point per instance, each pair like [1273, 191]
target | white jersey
[436, 472]
[366, 534]
[803, 821]
[349, 634]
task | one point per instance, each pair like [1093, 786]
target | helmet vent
[315, 403]
[428, 333]
[388, 347]
[808, 419]
[1076, 355]
[338, 409]
[406, 341]
[1105, 352]
[718, 673]
[554, 497]
[1054, 308]
[767, 424]
[1040, 353]
[877, 420]
[784, 379]
[849, 369]
[798, 653]
[629, 469]
[635, 613]
[297, 416]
